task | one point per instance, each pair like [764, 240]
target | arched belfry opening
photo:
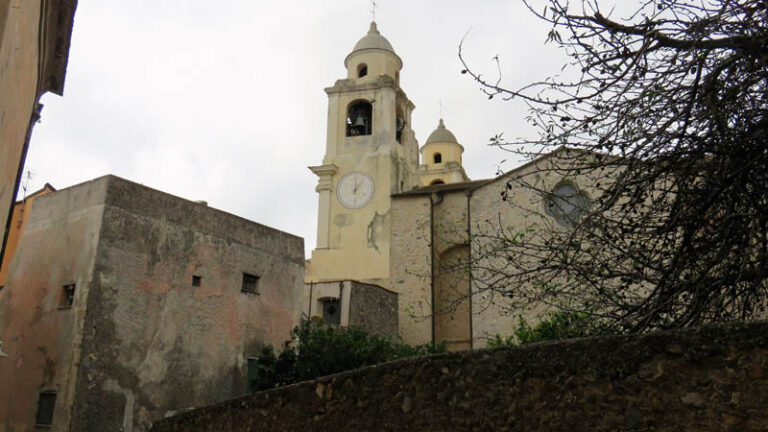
[437, 158]
[362, 70]
[399, 125]
[360, 118]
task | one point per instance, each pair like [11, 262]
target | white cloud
[224, 101]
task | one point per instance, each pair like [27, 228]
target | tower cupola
[373, 56]
[441, 158]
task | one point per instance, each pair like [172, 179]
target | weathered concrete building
[124, 303]
[34, 49]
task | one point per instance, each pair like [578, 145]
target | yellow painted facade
[406, 223]
[353, 241]
[441, 158]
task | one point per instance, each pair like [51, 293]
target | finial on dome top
[373, 29]
[442, 124]
[373, 11]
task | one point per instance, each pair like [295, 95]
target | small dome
[373, 40]
[441, 134]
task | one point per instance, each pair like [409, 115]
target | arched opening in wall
[362, 70]
[436, 182]
[437, 158]
[359, 118]
[399, 125]
[451, 310]
[331, 310]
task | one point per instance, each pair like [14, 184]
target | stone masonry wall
[704, 379]
[411, 266]
[374, 309]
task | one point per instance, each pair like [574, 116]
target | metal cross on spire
[441, 108]
[373, 10]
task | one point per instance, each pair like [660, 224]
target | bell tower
[371, 153]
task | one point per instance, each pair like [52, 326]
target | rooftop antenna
[373, 10]
[25, 184]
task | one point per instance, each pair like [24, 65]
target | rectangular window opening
[45, 406]
[252, 374]
[332, 311]
[250, 284]
[67, 296]
[196, 281]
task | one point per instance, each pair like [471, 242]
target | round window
[567, 204]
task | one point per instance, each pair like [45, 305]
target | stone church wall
[410, 265]
[523, 209]
[702, 379]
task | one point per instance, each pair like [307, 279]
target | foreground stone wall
[705, 379]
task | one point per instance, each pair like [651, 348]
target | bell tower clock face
[355, 190]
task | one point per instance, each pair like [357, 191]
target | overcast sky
[223, 101]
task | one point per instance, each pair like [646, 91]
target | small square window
[46, 403]
[250, 284]
[196, 281]
[67, 296]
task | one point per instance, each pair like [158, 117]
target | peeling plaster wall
[42, 340]
[156, 343]
[141, 340]
[358, 239]
[703, 379]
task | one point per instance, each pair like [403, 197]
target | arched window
[362, 70]
[437, 158]
[436, 182]
[359, 118]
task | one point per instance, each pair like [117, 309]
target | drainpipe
[432, 204]
[468, 192]
[309, 312]
[341, 304]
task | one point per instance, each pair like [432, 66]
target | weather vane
[373, 10]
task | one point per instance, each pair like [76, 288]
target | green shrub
[558, 326]
[317, 349]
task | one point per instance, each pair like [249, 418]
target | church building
[405, 224]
